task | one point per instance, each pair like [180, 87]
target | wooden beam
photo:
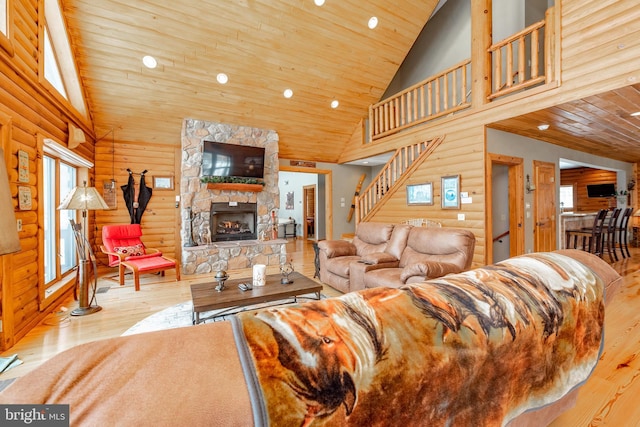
[481, 30]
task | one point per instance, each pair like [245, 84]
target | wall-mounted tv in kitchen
[601, 190]
[222, 159]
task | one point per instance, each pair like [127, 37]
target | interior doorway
[309, 209]
[323, 220]
[505, 207]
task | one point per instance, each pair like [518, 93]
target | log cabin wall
[161, 217]
[579, 178]
[30, 113]
[595, 57]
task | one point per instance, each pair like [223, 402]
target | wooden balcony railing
[393, 172]
[437, 96]
[518, 62]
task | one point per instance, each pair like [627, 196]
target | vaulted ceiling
[264, 46]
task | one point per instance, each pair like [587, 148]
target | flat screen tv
[601, 190]
[222, 159]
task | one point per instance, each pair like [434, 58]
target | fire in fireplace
[233, 221]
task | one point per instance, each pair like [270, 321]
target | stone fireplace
[233, 221]
[238, 244]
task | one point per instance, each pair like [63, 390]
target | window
[59, 242]
[4, 17]
[566, 198]
[58, 67]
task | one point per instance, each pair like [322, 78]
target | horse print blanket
[471, 349]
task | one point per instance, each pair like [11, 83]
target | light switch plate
[19, 224]
[460, 217]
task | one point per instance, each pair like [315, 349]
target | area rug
[179, 315]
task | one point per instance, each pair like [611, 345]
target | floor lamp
[84, 199]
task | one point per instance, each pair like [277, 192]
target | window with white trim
[4, 17]
[59, 67]
[566, 197]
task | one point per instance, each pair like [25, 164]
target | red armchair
[125, 249]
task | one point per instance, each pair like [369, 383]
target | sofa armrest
[358, 269]
[378, 258]
[336, 248]
[428, 270]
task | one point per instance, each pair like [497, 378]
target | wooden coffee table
[232, 300]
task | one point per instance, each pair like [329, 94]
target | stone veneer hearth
[196, 201]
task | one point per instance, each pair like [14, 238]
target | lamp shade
[9, 240]
[83, 199]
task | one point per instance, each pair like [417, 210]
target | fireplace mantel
[231, 186]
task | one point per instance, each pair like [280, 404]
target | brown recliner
[381, 243]
[429, 253]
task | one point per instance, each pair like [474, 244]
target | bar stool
[591, 238]
[608, 241]
[622, 231]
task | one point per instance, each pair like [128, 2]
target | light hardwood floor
[608, 399]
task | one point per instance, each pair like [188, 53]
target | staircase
[395, 172]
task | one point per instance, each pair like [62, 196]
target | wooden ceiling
[264, 46]
[600, 124]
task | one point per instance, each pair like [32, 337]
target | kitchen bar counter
[573, 221]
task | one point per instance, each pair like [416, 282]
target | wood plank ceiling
[600, 124]
[264, 46]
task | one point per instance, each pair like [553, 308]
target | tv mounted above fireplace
[222, 159]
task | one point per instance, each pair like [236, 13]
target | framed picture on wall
[450, 192]
[420, 194]
[163, 182]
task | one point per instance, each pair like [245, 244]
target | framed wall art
[23, 166]
[451, 192]
[420, 194]
[163, 182]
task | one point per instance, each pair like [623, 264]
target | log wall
[31, 113]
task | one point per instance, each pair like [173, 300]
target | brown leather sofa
[391, 255]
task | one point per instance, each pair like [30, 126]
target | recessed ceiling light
[365, 162]
[334, 103]
[636, 114]
[318, 2]
[288, 93]
[373, 22]
[149, 61]
[543, 127]
[222, 78]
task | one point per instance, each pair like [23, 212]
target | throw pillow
[135, 250]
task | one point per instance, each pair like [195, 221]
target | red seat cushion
[152, 263]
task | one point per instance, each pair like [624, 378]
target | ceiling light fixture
[373, 22]
[318, 2]
[334, 103]
[543, 127]
[288, 93]
[149, 61]
[222, 78]
[636, 114]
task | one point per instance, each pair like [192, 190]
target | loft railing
[395, 170]
[441, 94]
[518, 62]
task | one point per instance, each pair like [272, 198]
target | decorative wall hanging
[136, 206]
[24, 198]
[109, 193]
[163, 182]
[23, 166]
[289, 202]
[420, 194]
[451, 192]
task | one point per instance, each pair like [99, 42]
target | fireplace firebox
[233, 221]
